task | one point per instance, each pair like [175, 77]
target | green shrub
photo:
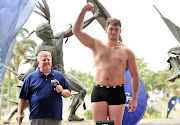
[88, 115]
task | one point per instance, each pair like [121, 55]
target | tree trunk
[17, 82]
[9, 91]
[17, 88]
[2, 93]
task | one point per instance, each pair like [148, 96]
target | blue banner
[172, 102]
[132, 118]
[13, 15]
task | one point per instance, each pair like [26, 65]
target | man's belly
[109, 79]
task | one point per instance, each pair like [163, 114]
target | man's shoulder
[56, 72]
[125, 47]
[32, 75]
[126, 50]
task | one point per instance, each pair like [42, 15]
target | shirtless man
[111, 60]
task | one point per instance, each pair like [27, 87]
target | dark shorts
[113, 95]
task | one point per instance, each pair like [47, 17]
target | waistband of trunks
[107, 86]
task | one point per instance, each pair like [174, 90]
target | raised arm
[77, 30]
[134, 80]
[68, 32]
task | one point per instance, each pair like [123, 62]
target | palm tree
[2, 96]
[155, 81]
[142, 68]
[175, 87]
[23, 49]
[150, 79]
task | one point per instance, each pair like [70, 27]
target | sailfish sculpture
[173, 53]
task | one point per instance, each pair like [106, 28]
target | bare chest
[111, 55]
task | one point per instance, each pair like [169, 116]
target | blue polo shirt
[44, 101]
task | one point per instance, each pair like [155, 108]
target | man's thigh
[45, 121]
[116, 113]
[100, 110]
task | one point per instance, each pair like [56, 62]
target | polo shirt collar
[42, 74]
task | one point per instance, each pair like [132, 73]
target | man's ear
[106, 29]
[120, 30]
[38, 63]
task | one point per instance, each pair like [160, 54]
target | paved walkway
[142, 122]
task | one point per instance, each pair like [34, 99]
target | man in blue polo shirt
[44, 89]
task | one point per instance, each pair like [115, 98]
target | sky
[143, 30]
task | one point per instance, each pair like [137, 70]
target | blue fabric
[132, 118]
[172, 102]
[13, 15]
[44, 101]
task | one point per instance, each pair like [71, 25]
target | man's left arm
[134, 80]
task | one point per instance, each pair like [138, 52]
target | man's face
[44, 31]
[48, 32]
[113, 32]
[45, 63]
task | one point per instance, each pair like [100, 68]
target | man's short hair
[113, 21]
[43, 53]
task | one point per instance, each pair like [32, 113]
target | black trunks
[113, 95]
